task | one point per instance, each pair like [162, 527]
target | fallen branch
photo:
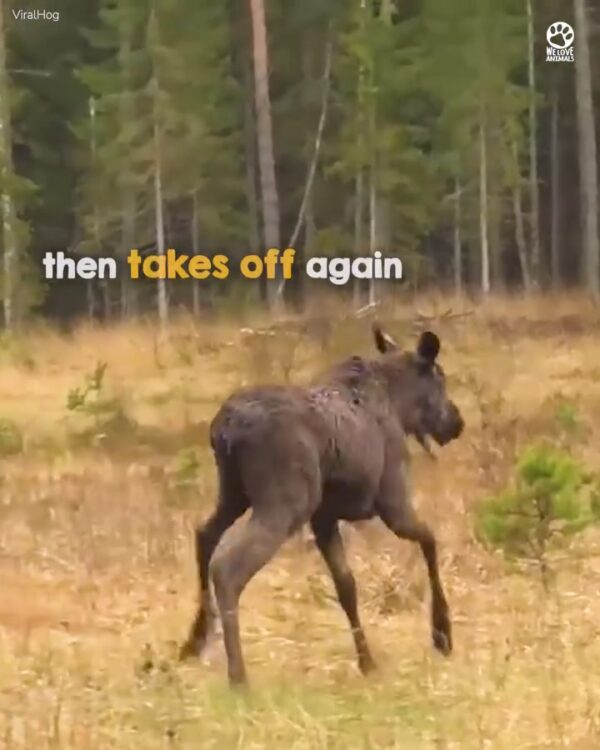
[448, 315]
[365, 309]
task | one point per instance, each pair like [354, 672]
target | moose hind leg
[405, 525]
[207, 537]
[243, 551]
[329, 542]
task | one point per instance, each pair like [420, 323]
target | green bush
[552, 497]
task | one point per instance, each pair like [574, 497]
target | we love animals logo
[560, 36]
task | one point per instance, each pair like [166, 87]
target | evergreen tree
[167, 125]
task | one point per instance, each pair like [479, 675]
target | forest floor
[105, 471]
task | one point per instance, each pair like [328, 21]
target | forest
[434, 131]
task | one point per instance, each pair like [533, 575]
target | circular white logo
[560, 35]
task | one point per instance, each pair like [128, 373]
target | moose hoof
[187, 651]
[239, 683]
[442, 641]
[366, 664]
[190, 650]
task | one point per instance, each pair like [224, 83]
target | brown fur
[334, 451]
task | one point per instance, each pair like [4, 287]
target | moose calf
[334, 451]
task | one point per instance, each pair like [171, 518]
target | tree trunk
[533, 171]
[310, 232]
[129, 296]
[458, 272]
[8, 210]
[195, 251]
[129, 301]
[520, 235]
[91, 299]
[163, 311]
[588, 175]
[483, 206]
[106, 299]
[554, 188]
[250, 153]
[310, 225]
[359, 208]
[266, 154]
[494, 213]
[372, 230]
[358, 229]
[372, 140]
[95, 220]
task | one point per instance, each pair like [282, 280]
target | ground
[100, 492]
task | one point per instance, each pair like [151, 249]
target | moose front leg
[399, 516]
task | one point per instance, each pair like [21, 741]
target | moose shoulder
[334, 451]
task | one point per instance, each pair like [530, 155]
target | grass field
[101, 488]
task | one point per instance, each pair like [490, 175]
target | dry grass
[97, 577]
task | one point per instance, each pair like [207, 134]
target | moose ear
[383, 341]
[428, 347]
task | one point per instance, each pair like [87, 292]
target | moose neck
[380, 385]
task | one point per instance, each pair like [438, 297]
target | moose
[319, 455]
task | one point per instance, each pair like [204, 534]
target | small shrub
[560, 416]
[567, 417]
[81, 399]
[183, 483]
[553, 497]
[16, 350]
[187, 467]
[11, 439]
[106, 412]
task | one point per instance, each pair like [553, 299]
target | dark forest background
[430, 129]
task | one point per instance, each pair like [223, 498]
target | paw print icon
[560, 35]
